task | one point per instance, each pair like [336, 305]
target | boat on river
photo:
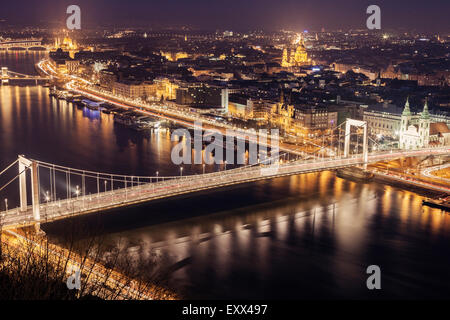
[355, 173]
[442, 203]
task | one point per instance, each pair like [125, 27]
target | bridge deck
[151, 191]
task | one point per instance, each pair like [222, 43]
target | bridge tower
[4, 76]
[25, 164]
[360, 124]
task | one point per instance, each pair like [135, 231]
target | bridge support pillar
[23, 164]
[4, 75]
[347, 138]
[365, 146]
[35, 191]
[357, 123]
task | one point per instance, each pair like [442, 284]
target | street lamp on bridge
[47, 199]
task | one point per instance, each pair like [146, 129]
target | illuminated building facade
[260, 110]
[62, 62]
[295, 56]
[199, 95]
[165, 89]
[283, 113]
[418, 131]
[132, 89]
[385, 119]
[67, 44]
[107, 79]
[174, 56]
[238, 107]
[314, 119]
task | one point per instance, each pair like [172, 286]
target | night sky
[423, 15]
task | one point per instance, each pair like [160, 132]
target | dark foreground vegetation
[32, 268]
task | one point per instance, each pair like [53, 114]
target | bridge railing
[181, 185]
[191, 183]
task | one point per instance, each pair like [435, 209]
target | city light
[284, 154]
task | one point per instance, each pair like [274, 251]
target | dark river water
[307, 236]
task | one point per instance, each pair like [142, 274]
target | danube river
[307, 236]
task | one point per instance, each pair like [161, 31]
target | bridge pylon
[4, 75]
[360, 124]
[131, 191]
[25, 164]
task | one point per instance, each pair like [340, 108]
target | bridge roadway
[188, 184]
[185, 118]
[20, 76]
[188, 119]
[25, 78]
[22, 44]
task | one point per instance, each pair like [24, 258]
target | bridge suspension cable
[12, 180]
[93, 174]
[8, 167]
[130, 193]
[25, 76]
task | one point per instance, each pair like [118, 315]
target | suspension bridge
[6, 75]
[21, 44]
[58, 192]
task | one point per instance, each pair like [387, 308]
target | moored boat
[440, 203]
[355, 173]
[91, 104]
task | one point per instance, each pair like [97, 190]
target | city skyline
[428, 16]
[195, 150]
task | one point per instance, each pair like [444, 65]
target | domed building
[68, 45]
[296, 55]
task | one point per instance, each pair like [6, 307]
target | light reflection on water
[283, 237]
[306, 236]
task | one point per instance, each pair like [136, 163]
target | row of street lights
[78, 192]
